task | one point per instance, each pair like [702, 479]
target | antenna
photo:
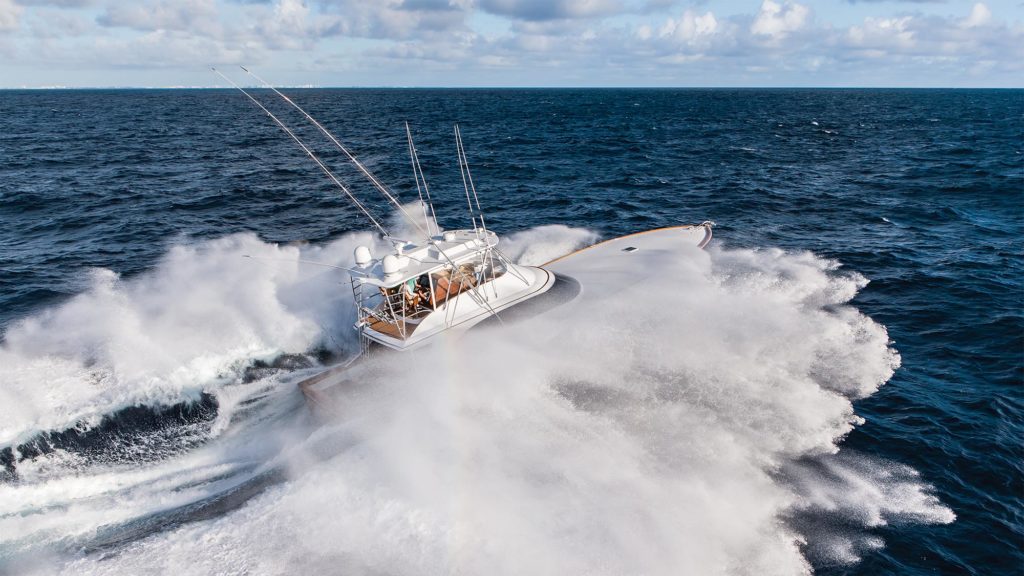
[308, 153]
[373, 179]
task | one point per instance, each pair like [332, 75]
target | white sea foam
[63, 501]
[542, 244]
[658, 432]
[171, 333]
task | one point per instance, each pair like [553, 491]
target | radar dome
[363, 257]
[391, 264]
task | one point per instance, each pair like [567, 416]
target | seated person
[412, 299]
[465, 278]
[443, 287]
[423, 289]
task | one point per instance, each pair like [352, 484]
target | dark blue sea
[149, 421]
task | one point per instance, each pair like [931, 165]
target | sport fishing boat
[453, 280]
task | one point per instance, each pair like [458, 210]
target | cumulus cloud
[9, 15]
[551, 9]
[877, 33]
[979, 16]
[776, 21]
[57, 3]
[160, 15]
[690, 28]
[529, 41]
[930, 40]
[431, 5]
[393, 19]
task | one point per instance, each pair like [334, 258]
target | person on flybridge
[419, 296]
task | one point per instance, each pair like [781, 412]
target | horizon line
[593, 87]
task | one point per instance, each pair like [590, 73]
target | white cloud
[980, 16]
[551, 9]
[291, 13]
[186, 15]
[57, 3]
[877, 33]
[562, 42]
[776, 21]
[9, 15]
[690, 28]
[392, 19]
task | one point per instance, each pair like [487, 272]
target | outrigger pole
[373, 179]
[310, 154]
[467, 183]
[462, 171]
[467, 177]
[417, 173]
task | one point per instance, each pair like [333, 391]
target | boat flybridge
[454, 280]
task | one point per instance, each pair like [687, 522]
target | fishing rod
[373, 179]
[309, 153]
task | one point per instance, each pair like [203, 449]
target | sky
[166, 43]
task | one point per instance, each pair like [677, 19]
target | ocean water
[836, 386]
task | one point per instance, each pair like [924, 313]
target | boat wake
[690, 424]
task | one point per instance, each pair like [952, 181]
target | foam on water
[63, 503]
[171, 333]
[690, 424]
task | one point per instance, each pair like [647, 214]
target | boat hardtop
[411, 260]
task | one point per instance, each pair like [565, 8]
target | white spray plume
[412, 222]
[657, 432]
[170, 333]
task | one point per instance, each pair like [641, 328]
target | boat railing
[397, 311]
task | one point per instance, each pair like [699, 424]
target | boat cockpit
[454, 276]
